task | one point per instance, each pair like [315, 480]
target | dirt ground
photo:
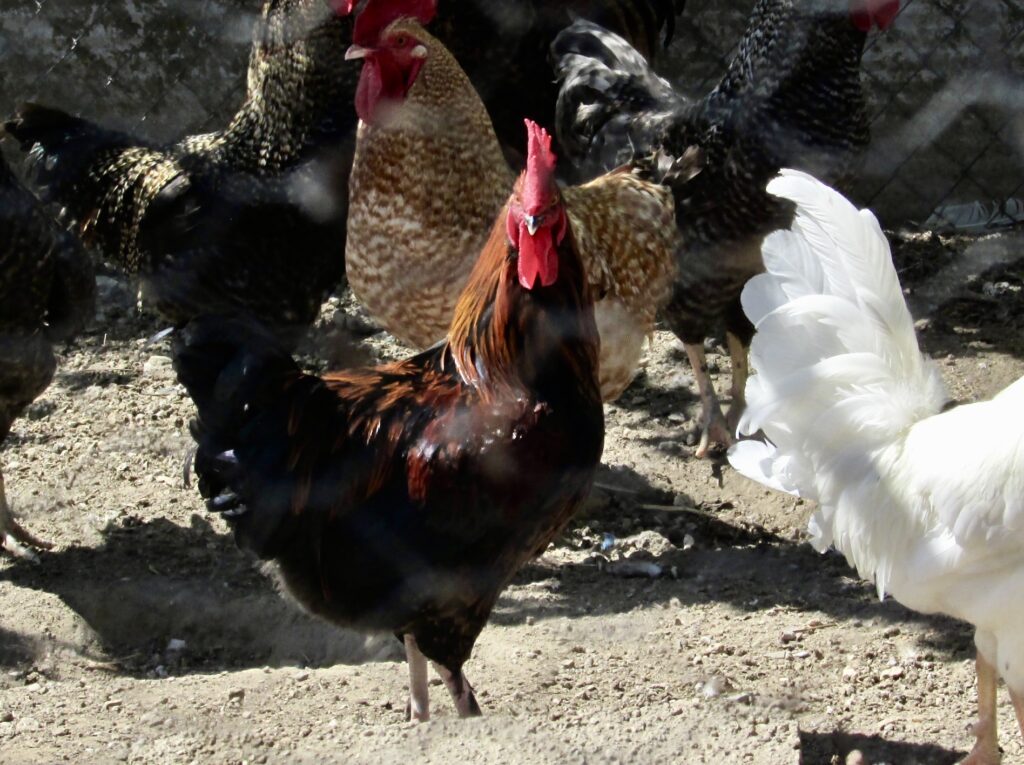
[147, 637]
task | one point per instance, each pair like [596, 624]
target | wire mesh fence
[945, 86]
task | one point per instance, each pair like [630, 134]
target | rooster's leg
[986, 745]
[419, 693]
[713, 427]
[461, 691]
[740, 370]
[13, 538]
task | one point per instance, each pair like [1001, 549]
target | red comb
[866, 14]
[378, 14]
[540, 168]
[342, 7]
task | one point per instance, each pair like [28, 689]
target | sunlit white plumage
[928, 504]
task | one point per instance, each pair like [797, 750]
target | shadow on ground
[153, 581]
[828, 748]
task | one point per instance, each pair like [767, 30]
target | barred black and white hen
[791, 97]
[47, 293]
[245, 219]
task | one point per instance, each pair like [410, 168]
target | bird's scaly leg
[419, 693]
[1018, 707]
[460, 690]
[740, 370]
[713, 427]
[13, 538]
[986, 745]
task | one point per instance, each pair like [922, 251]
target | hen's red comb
[866, 14]
[342, 7]
[540, 168]
[378, 14]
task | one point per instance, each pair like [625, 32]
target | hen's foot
[713, 427]
[986, 746]
[715, 432]
[14, 538]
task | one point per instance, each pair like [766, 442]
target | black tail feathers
[238, 377]
[62, 149]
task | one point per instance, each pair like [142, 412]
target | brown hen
[428, 174]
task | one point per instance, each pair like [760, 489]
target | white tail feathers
[839, 372]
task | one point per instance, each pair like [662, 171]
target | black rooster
[404, 497]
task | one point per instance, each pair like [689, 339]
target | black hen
[47, 293]
[249, 218]
[791, 97]
[504, 48]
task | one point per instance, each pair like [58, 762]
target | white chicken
[853, 414]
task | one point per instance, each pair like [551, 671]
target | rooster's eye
[401, 41]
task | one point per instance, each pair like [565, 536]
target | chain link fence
[945, 86]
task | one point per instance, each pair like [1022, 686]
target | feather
[851, 409]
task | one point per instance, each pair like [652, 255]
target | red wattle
[538, 258]
[369, 90]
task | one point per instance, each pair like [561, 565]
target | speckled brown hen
[47, 294]
[429, 175]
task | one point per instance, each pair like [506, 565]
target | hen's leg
[740, 371]
[419, 694]
[461, 691]
[13, 538]
[1018, 707]
[713, 427]
[986, 745]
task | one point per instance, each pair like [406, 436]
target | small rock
[236, 694]
[158, 367]
[633, 569]
[174, 645]
[856, 757]
[893, 672]
[27, 725]
[715, 687]
[891, 632]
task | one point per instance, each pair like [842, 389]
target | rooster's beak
[357, 51]
[532, 223]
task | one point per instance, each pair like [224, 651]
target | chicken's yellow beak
[357, 51]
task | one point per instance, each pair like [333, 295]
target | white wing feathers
[840, 379]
